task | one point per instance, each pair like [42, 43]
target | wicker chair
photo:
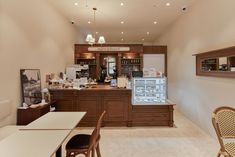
[223, 119]
[84, 143]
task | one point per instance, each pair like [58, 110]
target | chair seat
[80, 141]
[230, 148]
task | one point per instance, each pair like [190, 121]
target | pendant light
[91, 39]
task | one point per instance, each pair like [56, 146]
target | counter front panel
[117, 104]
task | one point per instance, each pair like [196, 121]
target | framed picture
[31, 86]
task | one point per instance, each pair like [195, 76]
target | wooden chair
[84, 143]
[223, 120]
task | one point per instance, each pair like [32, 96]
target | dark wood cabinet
[116, 103]
[152, 115]
[66, 104]
[117, 110]
[65, 100]
[127, 60]
[89, 102]
[26, 116]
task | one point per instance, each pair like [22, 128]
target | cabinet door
[91, 105]
[116, 109]
[65, 104]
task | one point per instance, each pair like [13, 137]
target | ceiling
[138, 17]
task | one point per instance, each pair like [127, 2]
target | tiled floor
[184, 140]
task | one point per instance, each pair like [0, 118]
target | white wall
[208, 25]
[32, 35]
[156, 61]
[80, 38]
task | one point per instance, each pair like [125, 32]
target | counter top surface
[94, 87]
[104, 87]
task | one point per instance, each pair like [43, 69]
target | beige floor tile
[184, 140]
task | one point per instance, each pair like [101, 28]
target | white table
[56, 121]
[33, 143]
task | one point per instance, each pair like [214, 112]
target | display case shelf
[149, 91]
[86, 61]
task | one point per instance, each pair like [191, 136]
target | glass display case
[149, 91]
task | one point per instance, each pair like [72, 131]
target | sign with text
[108, 49]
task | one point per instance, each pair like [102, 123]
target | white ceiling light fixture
[91, 39]
[168, 4]
[122, 32]
[101, 40]
[147, 33]
[122, 22]
[155, 22]
[122, 4]
[76, 3]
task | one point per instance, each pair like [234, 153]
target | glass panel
[223, 64]
[232, 63]
[149, 91]
[209, 64]
[111, 65]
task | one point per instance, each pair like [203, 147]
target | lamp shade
[101, 40]
[89, 38]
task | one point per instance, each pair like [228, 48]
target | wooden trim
[83, 48]
[226, 52]
[155, 49]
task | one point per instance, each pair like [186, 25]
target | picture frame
[31, 86]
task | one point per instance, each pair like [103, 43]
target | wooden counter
[116, 102]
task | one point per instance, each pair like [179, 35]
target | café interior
[117, 78]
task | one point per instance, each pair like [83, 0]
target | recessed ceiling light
[96, 32]
[76, 3]
[122, 32]
[121, 4]
[122, 39]
[122, 22]
[89, 22]
[168, 4]
[155, 22]
[143, 39]
[147, 33]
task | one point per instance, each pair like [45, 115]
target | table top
[33, 143]
[56, 121]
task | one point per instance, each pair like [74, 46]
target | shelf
[130, 64]
[85, 59]
[129, 58]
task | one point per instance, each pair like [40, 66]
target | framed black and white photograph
[31, 86]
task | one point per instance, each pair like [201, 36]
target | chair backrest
[223, 119]
[96, 132]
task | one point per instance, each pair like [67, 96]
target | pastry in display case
[149, 91]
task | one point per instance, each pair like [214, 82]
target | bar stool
[84, 143]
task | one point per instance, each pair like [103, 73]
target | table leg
[58, 152]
